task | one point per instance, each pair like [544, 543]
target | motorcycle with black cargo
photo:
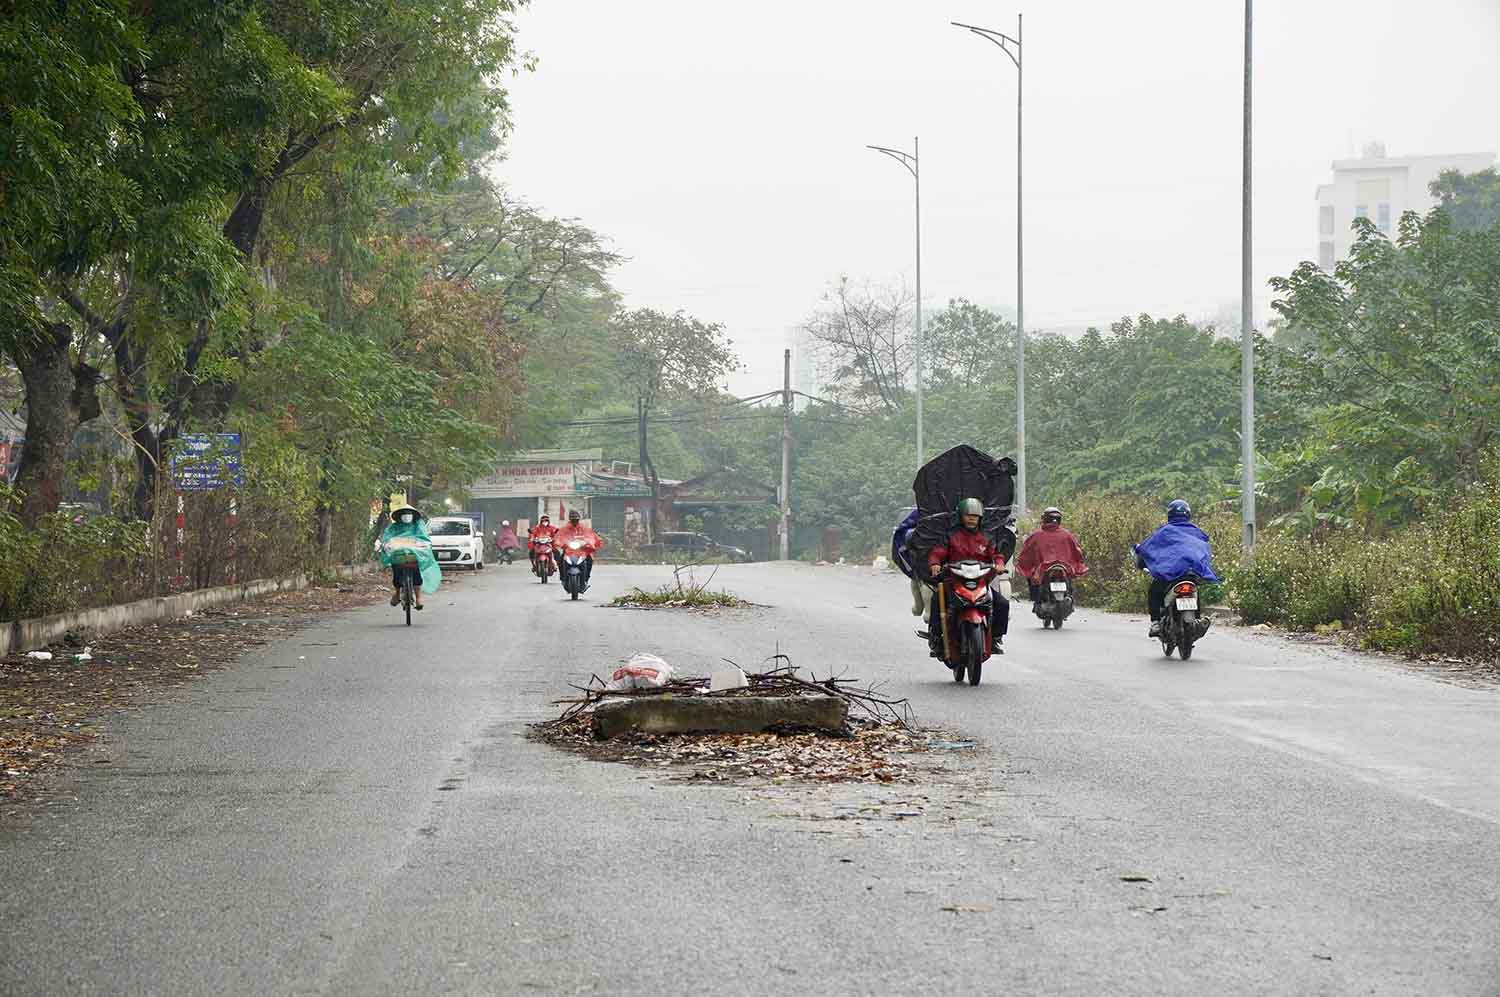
[971, 595]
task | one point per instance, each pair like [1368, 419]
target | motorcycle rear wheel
[1046, 623]
[1185, 650]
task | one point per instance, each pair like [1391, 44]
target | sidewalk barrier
[37, 633]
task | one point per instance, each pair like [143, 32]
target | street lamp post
[1012, 47]
[913, 163]
[1247, 331]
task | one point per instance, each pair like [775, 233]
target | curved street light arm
[906, 159]
[1010, 46]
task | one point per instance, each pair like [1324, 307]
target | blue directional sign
[203, 462]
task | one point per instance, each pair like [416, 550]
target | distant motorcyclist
[1052, 544]
[506, 539]
[967, 543]
[543, 530]
[1178, 549]
[575, 530]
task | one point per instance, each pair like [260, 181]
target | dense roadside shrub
[1429, 588]
[1442, 595]
[1303, 582]
[69, 561]
[65, 564]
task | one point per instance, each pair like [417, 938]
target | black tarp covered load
[960, 473]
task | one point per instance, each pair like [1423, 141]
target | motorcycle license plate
[1059, 586]
[1189, 603]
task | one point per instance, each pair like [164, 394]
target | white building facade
[1380, 188]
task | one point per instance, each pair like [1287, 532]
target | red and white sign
[526, 480]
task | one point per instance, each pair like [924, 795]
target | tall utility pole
[1012, 48]
[913, 164]
[786, 455]
[1247, 330]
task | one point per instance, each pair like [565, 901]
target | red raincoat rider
[543, 530]
[1048, 546]
[575, 530]
[967, 543]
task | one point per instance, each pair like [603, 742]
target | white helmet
[504, 522]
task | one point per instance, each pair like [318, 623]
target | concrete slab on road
[1266, 818]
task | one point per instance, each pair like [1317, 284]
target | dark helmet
[1006, 465]
[1052, 514]
[1179, 511]
[574, 515]
[545, 519]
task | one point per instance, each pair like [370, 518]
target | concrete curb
[37, 633]
[669, 714]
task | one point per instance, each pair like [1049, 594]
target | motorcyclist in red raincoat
[543, 530]
[575, 530]
[1048, 546]
[967, 543]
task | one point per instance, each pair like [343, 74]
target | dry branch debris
[877, 746]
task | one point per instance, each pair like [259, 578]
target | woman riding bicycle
[406, 546]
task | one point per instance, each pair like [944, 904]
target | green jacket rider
[408, 534]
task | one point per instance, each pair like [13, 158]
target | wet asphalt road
[366, 818]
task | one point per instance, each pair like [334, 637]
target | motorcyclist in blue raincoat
[1177, 550]
[901, 558]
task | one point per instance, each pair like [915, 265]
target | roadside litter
[640, 671]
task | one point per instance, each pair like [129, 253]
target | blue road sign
[203, 462]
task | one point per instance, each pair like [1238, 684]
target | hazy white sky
[721, 147]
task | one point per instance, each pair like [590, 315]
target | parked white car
[456, 543]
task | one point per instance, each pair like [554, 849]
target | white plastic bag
[727, 677]
[640, 671]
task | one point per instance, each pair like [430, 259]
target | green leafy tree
[969, 346]
[108, 170]
[1404, 343]
[1471, 200]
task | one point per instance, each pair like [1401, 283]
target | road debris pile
[877, 740]
[684, 591]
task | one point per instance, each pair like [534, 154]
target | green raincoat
[412, 537]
